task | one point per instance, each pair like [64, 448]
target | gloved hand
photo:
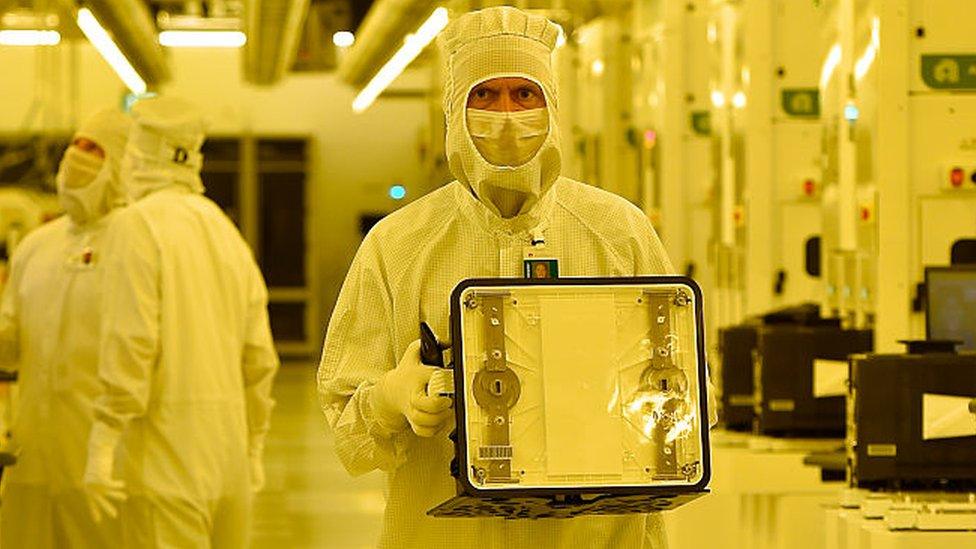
[399, 397]
[712, 401]
[102, 492]
[256, 458]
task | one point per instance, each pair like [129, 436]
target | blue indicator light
[397, 192]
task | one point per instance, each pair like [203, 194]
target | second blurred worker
[49, 332]
[186, 353]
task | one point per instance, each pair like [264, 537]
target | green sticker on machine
[949, 71]
[701, 122]
[803, 102]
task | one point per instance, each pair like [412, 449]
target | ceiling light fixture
[413, 44]
[110, 51]
[343, 39]
[202, 39]
[22, 37]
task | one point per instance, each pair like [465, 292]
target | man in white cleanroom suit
[502, 145]
[49, 329]
[186, 353]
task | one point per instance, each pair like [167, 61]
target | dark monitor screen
[950, 311]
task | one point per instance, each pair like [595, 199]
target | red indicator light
[956, 177]
[865, 214]
[809, 187]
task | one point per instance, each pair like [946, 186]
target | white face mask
[82, 185]
[508, 139]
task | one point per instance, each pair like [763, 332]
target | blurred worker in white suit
[49, 332]
[186, 354]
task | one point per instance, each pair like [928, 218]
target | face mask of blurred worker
[82, 184]
[508, 139]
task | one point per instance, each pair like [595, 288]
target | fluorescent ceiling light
[343, 39]
[863, 64]
[29, 38]
[109, 51]
[597, 67]
[413, 44]
[718, 99]
[739, 100]
[830, 65]
[202, 39]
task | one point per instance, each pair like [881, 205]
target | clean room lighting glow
[561, 37]
[29, 38]
[712, 33]
[718, 99]
[851, 112]
[413, 44]
[830, 65]
[863, 64]
[109, 51]
[132, 98]
[597, 67]
[397, 192]
[202, 39]
[343, 39]
[739, 100]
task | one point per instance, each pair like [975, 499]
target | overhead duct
[380, 36]
[134, 33]
[273, 28]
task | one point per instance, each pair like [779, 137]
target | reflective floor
[310, 500]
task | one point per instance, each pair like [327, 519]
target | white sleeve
[358, 350]
[129, 346]
[259, 363]
[650, 257]
[10, 315]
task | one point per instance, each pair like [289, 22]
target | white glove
[256, 457]
[712, 406]
[102, 492]
[399, 397]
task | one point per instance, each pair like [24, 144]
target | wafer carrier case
[577, 396]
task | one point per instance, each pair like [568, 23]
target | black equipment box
[912, 420]
[736, 347]
[785, 359]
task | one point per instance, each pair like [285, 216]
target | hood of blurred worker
[509, 160]
[164, 147]
[88, 179]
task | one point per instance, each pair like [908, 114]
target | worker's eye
[526, 93]
[482, 93]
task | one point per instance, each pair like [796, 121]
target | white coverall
[404, 273]
[49, 331]
[187, 357]
[408, 264]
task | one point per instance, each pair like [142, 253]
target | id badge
[82, 260]
[537, 264]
